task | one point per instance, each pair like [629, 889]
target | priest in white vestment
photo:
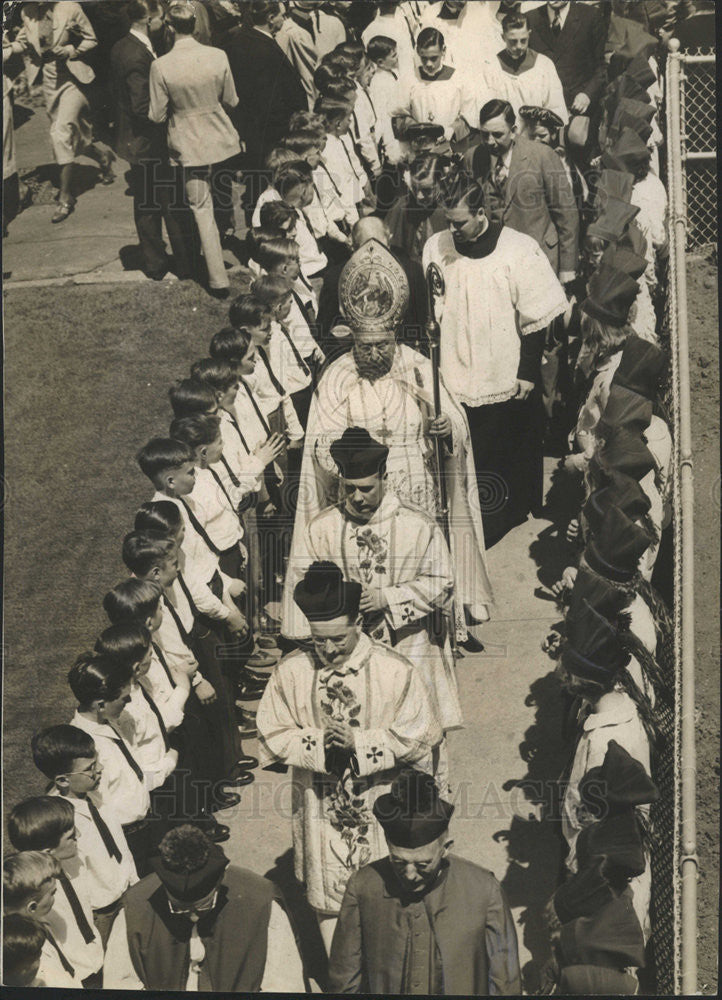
[344, 715]
[387, 388]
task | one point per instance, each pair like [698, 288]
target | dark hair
[428, 37]
[144, 550]
[277, 157]
[275, 251]
[513, 21]
[37, 824]
[301, 142]
[133, 600]
[158, 515]
[196, 431]
[272, 288]
[496, 108]
[379, 47]
[54, 749]
[137, 10]
[430, 167]
[261, 10]
[461, 189]
[24, 875]
[97, 678]
[291, 176]
[230, 344]
[185, 849]
[214, 372]
[346, 62]
[191, 396]
[126, 642]
[303, 120]
[272, 216]
[23, 941]
[161, 454]
[332, 109]
[339, 89]
[247, 311]
[324, 73]
[182, 18]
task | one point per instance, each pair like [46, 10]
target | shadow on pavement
[302, 916]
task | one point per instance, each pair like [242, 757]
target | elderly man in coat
[422, 921]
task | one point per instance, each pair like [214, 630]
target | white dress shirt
[86, 958]
[284, 360]
[214, 511]
[312, 259]
[120, 790]
[169, 697]
[141, 730]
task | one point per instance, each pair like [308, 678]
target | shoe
[225, 800]
[244, 778]
[471, 644]
[252, 676]
[219, 833]
[267, 642]
[246, 762]
[245, 692]
[64, 209]
[262, 658]
[156, 275]
[246, 723]
[219, 293]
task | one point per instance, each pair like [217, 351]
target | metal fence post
[685, 527]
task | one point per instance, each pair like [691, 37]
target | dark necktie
[243, 442]
[296, 353]
[63, 960]
[164, 663]
[333, 182]
[254, 404]
[274, 381]
[156, 712]
[303, 310]
[123, 747]
[185, 636]
[231, 474]
[105, 835]
[222, 488]
[557, 24]
[199, 529]
[191, 603]
[80, 919]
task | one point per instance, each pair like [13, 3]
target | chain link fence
[698, 146]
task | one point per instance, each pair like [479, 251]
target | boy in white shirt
[294, 183]
[384, 90]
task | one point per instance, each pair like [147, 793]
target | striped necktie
[78, 913]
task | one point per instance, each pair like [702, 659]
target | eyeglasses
[91, 772]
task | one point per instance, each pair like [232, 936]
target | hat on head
[625, 408]
[625, 86]
[613, 184]
[618, 839]
[641, 367]
[633, 239]
[610, 295]
[357, 454]
[373, 289]
[625, 451]
[592, 650]
[625, 260]
[418, 131]
[614, 218]
[614, 550]
[610, 938]
[632, 42]
[624, 120]
[639, 109]
[620, 782]
[412, 814]
[577, 133]
[591, 980]
[583, 894]
[533, 114]
[628, 152]
[188, 864]
[601, 595]
[323, 594]
[619, 490]
[640, 71]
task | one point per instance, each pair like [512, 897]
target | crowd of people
[454, 263]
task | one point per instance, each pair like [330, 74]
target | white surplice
[382, 697]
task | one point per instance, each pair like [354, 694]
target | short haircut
[380, 47]
[190, 396]
[161, 454]
[278, 156]
[269, 253]
[274, 215]
[514, 21]
[214, 372]
[133, 600]
[344, 62]
[24, 876]
[261, 10]
[197, 431]
[428, 38]
[158, 515]
[339, 89]
[430, 167]
[324, 73]
[291, 176]
[247, 311]
[23, 941]
[37, 824]
[332, 109]
[230, 344]
[185, 849]
[127, 642]
[304, 140]
[497, 108]
[305, 119]
[352, 50]
[462, 189]
[271, 288]
[54, 749]
[97, 678]
[138, 10]
[144, 550]
[182, 17]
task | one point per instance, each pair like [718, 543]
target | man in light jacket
[191, 87]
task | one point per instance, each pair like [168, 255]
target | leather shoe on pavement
[246, 762]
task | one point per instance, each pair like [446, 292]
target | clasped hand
[339, 735]
[440, 426]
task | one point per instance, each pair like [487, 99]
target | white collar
[144, 39]
[619, 715]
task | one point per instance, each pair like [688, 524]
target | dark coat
[538, 199]
[578, 52]
[269, 91]
[137, 138]
[471, 921]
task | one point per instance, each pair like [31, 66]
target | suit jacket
[137, 137]
[270, 91]
[538, 199]
[70, 27]
[470, 918]
[578, 52]
[190, 88]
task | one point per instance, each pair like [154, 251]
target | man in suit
[190, 89]
[526, 187]
[572, 35]
[157, 194]
[269, 87]
[423, 921]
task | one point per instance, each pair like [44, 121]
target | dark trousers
[142, 838]
[506, 439]
[105, 918]
[158, 197]
[215, 650]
